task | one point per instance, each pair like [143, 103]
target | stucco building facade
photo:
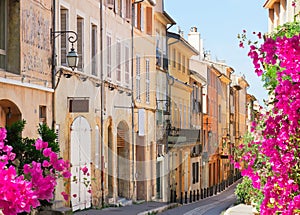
[25, 67]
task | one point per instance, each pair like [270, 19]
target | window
[149, 20]
[80, 41]
[108, 55]
[128, 10]
[183, 64]
[3, 32]
[174, 58]
[43, 114]
[142, 18]
[118, 60]
[63, 37]
[187, 66]
[158, 49]
[94, 50]
[138, 78]
[119, 7]
[137, 16]
[184, 117]
[147, 81]
[110, 4]
[195, 172]
[127, 64]
[179, 61]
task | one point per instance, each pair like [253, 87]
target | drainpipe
[53, 64]
[229, 130]
[102, 103]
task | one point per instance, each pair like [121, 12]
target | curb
[160, 209]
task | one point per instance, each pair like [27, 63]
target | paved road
[209, 206]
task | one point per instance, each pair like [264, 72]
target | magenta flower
[84, 170]
[18, 193]
[47, 152]
[65, 195]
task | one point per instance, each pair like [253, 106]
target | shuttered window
[94, 50]
[118, 61]
[127, 65]
[63, 37]
[119, 8]
[179, 61]
[110, 4]
[108, 55]
[149, 20]
[80, 41]
[3, 33]
[128, 10]
[183, 64]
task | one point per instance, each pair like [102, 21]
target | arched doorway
[9, 112]
[80, 148]
[123, 160]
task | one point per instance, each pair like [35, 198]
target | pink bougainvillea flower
[38, 144]
[66, 174]
[84, 170]
[19, 193]
[65, 195]
[2, 134]
[272, 159]
[241, 45]
[259, 35]
[46, 163]
[47, 152]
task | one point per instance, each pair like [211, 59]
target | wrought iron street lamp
[72, 56]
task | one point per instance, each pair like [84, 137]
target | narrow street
[209, 206]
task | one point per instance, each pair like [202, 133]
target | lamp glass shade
[72, 58]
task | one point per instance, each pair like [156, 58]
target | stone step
[124, 202]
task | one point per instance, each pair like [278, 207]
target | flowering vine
[21, 192]
[272, 158]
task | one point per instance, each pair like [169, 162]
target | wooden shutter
[149, 20]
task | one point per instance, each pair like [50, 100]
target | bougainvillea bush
[272, 158]
[24, 187]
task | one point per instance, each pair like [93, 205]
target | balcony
[183, 137]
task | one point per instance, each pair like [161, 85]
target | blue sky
[219, 22]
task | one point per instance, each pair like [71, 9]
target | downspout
[102, 103]
[53, 63]
[229, 130]
[132, 99]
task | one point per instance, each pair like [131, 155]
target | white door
[80, 157]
